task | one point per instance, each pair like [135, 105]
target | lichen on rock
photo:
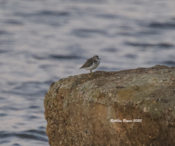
[80, 110]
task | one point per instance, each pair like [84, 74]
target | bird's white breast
[93, 66]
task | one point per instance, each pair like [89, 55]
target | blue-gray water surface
[42, 41]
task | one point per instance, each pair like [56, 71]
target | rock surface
[125, 108]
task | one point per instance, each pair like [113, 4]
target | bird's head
[96, 57]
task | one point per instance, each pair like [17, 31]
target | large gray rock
[131, 107]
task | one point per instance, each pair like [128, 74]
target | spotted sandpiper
[91, 63]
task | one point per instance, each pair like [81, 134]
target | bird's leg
[90, 73]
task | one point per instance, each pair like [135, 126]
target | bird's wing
[88, 63]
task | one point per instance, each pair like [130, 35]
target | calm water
[42, 41]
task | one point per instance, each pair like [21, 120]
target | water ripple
[3, 114]
[45, 13]
[4, 141]
[57, 57]
[53, 13]
[165, 25]
[34, 107]
[108, 16]
[3, 32]
[160, 45]
[131, 56]
[29, 134]
[83, 32]
[16, 144]
[110, 49]
[3, 51]
[168, 62]
[13, 22]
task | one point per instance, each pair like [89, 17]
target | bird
[91, 63]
